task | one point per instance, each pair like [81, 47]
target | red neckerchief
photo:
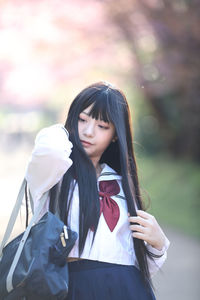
[108, 206]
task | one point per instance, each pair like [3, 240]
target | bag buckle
[64, 236]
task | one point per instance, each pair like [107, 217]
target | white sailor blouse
[113, 242]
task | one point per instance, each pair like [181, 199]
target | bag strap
[37, 212]
[13, 216]
[10, 226]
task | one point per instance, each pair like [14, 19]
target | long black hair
[110, 105]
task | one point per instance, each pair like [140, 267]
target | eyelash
[81, 120]
[103, 127]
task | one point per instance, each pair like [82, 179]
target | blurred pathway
[180, 276]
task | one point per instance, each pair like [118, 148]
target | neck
[97, 166]
[98, 170]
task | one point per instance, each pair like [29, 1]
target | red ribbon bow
[108, 206]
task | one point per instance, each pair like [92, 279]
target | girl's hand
[147, 229]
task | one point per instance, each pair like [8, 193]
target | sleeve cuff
[162, 251]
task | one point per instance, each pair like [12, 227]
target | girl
[88, 167]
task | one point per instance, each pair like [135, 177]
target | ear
[114, 139]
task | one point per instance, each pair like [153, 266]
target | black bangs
[100, 106]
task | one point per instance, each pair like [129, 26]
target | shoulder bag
[34, 264]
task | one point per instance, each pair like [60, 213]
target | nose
[89, 129]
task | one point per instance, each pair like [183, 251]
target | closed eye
[103, 127]
[81, 119]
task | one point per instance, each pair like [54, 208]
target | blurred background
[50, 50]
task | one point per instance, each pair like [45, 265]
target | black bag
[39, 269]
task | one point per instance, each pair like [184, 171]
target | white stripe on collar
[108, 173]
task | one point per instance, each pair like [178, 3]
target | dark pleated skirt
[93, 280]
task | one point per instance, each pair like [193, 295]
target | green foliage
[174, 190]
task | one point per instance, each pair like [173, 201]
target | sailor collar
[108, 173]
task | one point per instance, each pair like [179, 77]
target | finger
[137, 228]
[133, 219]
[139, 235]
[138, 220]
[144, 214]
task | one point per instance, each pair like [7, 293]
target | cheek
[112, 134]
[79, 128]
[108, 139]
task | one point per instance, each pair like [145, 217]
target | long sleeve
[156, 263]
[49, 160]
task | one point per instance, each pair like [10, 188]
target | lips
[86, 143]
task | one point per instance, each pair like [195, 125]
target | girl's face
[95, 135]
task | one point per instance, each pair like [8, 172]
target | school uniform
[108, 269]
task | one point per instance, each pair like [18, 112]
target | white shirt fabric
[47, 165]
